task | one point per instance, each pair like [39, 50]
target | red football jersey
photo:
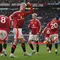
[53, 26]
[18, 17]
[35, 26]
[4, 23]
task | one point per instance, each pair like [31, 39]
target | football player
[48, 41]
[35, 29]
[4, 30]
[53, 25]
[18, 21]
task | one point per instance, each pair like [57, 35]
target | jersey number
[53, 26]
[3, 19]
[48, 32]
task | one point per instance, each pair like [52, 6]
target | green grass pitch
[43, 54]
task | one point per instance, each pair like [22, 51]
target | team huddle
[16, 19]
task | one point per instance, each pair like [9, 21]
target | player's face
[22, 8]
[34, 17]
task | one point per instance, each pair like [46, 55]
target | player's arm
[39, 26]
[11, 19]
[44, 30]
[29, 26]
[31, 9]
[58, 21]
[11, 16]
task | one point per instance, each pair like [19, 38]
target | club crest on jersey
[18, 14]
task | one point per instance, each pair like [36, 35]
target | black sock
[0, 48]
[56, 45]
[37, 46]
[4, 45]
[23, 47]
[13, 48]
[31, 46]
[50, 46]
[47, 45]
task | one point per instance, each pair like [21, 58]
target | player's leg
[5, 43]
[37, 43]
[23, 44]
[31, 37]
[24, 47]
[21, 38]
[50, 43]
[47, 46]
[0, 42]
[13, 48]
[31, 46]
[50, 46]
[4, 47]
[4, 36]
[1, 48]
[47, 43]
[14, 43]
[56, 44]
[56, 47]
[37, 47]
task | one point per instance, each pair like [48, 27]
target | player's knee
[22, 44]
[14, 46]
[29, 42]
[22, 40]
[55, 41]
[36, 42]
[4, 42]
[15, 42]
[50, 42]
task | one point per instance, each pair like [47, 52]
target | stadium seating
[32, 1]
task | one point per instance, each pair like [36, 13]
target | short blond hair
[34, 14]
[23, 4]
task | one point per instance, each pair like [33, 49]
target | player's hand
[38, 33]
[29, 4]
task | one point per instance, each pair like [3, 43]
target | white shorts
[33, 37]
[54, 37]
[3, 35]
[47, 39]
[17, 33]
